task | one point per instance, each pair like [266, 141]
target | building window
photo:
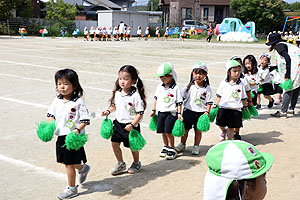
[186, 13]
[205, 13]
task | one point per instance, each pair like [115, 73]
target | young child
[277, 79]
[92, 33]
[231, 98]
[265, 80]
[71, 115]
[139, 32]
[147, 33]
[168, 103]
[86, 33]
[198, 99]
[97, 32]
[167, 33]
[182, 34]
[129, 103]
[128, 35]
[157, 34]
[115, 33]
[109, 33]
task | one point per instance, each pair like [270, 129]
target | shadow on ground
[262, 138]
[123, 184]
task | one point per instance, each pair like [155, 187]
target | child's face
[264, 61]
[248, 65]
[199, 77]
[64, 87]
[125, 80]
[167, 79]
[260, 190]
[235, 72]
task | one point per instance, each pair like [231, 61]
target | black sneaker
[163, 152]
[258, 106]
[171, 154]
[271, 103]
[279, 114]
[237, 136]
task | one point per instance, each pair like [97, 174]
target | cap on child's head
[200, 65]
[233, 160]
[266, 55]
[166, 68]
[232, 63]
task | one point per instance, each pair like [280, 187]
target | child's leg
[184, 138]
[165, 139]
[223, 134]
[198, 137]
[268, 97]
[71, 175]
[117, 151]
[78, 167]
[170, 140]
[230, 133]
[236, 135]
[258, 99]
[136, 156]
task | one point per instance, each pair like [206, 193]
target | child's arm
[217, 101]
[245, 104]
[250, 103]
[179, 108]
[208, 107]
[50, 119]
[154, 108]
[111, 109]
[80, 127]
[136, 120]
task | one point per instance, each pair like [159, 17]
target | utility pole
[197, 10]
[152, 5]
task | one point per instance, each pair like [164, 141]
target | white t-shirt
[277, 79]
[97, 31]
[85, 32]
[139, 32]
[196, 99]
[128, 106]
[246, 84]
[156, 32]
[264, 75]
[146, 32]
[168, 98]
[121, 28]
[253, 78]
[68, 114]
[231, 94]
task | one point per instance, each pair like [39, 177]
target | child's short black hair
[71, 76]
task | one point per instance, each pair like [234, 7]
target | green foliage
[25, 9]
[6, 8]
[59, 11]
[155, 5]
[293, 7]
[267, 14]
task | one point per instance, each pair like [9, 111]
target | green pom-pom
[252, 95]
[75, 141]
[260, 89]
[253, 111]
[246, 115]
[213, 113]
[178, 129]
[106, 130]
[136, 140]
[287, 84]
[203, 123]
[45, 130]
[153, 123]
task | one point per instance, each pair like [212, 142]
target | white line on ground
[41, 170]
[24, 102]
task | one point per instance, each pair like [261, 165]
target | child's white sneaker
[118, 168]
[277, 101]
[196, 150]
[180, 147]
[68, 193]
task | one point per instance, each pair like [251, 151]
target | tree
[59, 11]
[6, 8]
[268, 15]
[155, 5]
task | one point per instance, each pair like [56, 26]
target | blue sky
[291, 1]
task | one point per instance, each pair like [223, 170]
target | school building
[175, 11]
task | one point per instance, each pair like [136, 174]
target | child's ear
[134, 81]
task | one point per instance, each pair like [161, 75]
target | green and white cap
[200, 65]
[166, 68]
[232, 63]
[229, 161]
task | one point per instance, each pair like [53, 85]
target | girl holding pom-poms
[168, 103]
[71, 116]
[129, 102]
[198, 99]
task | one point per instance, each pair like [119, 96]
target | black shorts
[267, 89]
[85, 36]
[120, 134]
[68, 157]
[139, 35]
[165, 122]
[190, 119]
[229, 118]
[278, 89]
[254, 99]
[92, 35]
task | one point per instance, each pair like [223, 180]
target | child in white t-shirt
[92, 33]
[157, 34]
[168, 103]
[129, 105]
[277, 79]
[147, 33]
[231, 98]
[139, 32]
[85, 33]
[198, 99]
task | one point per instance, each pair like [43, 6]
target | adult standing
[288, 63]
[210, 32]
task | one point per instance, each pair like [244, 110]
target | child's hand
[180, 118]
[152, 113]
[128, 127]
[105, 113]
[250, 103]
[207, 113]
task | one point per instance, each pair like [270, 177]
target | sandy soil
[28, 166]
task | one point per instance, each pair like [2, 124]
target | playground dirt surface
[28, 166]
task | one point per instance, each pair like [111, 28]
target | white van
[192, 24]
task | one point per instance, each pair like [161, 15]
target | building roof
[106, 3]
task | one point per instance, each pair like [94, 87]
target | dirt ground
[28, 166]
